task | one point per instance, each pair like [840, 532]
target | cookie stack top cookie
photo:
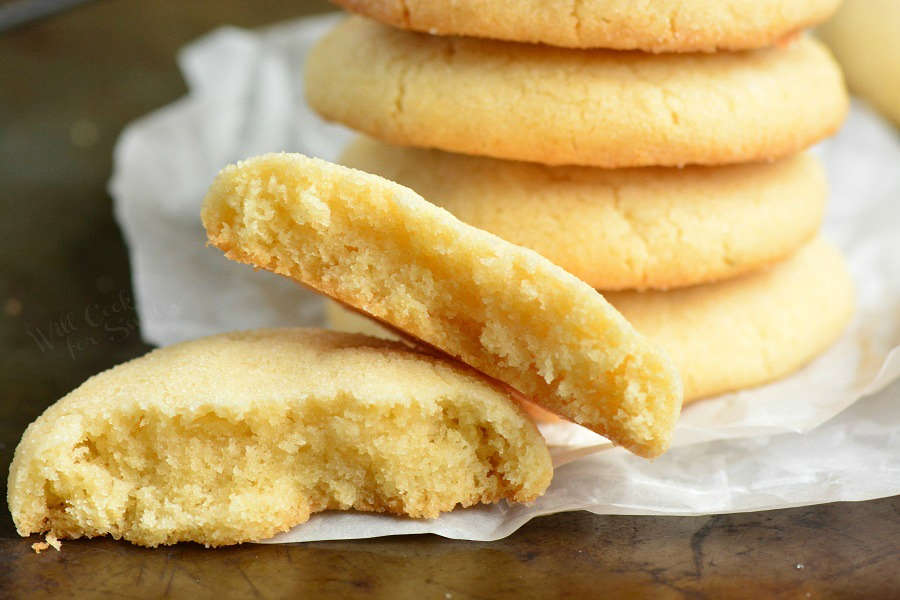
[563, 106]
[659, 26]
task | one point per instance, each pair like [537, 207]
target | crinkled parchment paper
[803, 440]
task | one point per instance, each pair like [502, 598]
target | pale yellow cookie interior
[620, 229]
[729, 335]
[504, 309]
[561, 106]
[240, 436]
[658, 26]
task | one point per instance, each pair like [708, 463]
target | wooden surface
[69, 84]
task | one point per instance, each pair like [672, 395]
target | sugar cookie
[750, 330]
[659, 26]
[587, 107]
[621, 228]
[240, 436]
[505, 310]
[865, 37]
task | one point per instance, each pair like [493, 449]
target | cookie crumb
[39, 547]
[51, 539]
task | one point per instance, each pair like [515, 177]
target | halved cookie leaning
[507, 311]
[240, 436]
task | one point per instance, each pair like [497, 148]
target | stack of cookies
[653, 150]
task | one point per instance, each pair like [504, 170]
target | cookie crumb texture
[503, 309]
[559, 106]
[729, 335]
[240, 436]
[658, 26]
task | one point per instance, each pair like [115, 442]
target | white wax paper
[798, 441]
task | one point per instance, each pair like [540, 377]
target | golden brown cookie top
[659, 26]
[583, 107]
[646, 228]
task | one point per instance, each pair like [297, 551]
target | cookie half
[659, 26]
[560, 106]
[507, 311]
[240, 436]
[621, 228]
[733, 334]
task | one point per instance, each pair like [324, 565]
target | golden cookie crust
[733, 334]
[756, 328]
[559, 106]
[237, 437]
[507, 311]
[621, 228]
[659, 26]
